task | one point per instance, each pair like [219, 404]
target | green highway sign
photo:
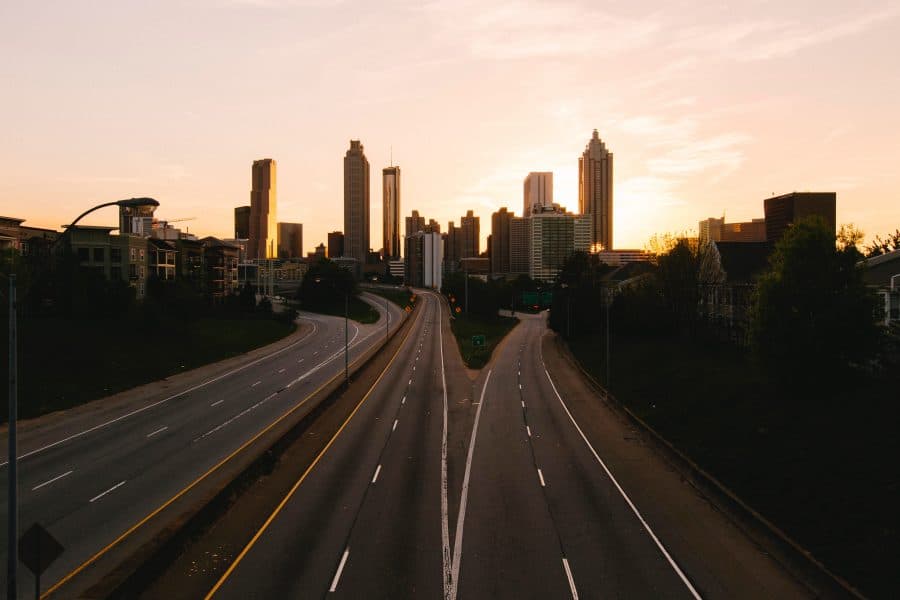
[478, 341]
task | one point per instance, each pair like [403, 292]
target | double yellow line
[100, 553]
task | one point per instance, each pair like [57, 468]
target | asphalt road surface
[513, 482]
[89, 479]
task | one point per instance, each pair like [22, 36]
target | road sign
[478, 341]
[38, 549]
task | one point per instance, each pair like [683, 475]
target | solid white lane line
[57, 478]
[615, 482]
[282, 370]
[377, 471]
[340, 569]
[160, 430]
[255, 384]
[541, 475]
[464, 497]
[216, 403]
[529, 430]
[164, 400]
[394, 428]
[570, 578]
[115, 487]
[446, 561]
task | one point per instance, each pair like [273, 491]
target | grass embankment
[66, 362]
[823, 467]
[359, 310]
[494, 329]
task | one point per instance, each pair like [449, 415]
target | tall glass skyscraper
[356, 204]
[263, 229]
[391, 212]
[595, 190]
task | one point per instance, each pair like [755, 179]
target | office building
[717, 230]
[538, 192]
[390, 248]
[433, 226]
[553, 237]
[500, 240]
[595, 191]
[242, 223]
[263, 230]
[414, 223]
[424, 259]
[470, 242]
[519, 246]
[785, 210]
[335, 244]
[290, 240]
[356, 204]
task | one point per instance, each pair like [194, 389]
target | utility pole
[12, 531]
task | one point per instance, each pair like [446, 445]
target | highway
[92, 477]
[514, 482]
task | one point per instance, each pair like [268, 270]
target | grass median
[494, 329]
[359, 310]
[822, 467]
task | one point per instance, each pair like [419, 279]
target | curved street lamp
[127, 203]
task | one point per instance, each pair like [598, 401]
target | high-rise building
[452, 246]
[356, 204]
[538, 191]
[335, 244]
[519, 245]
[595, 190]
[500, 240]
[290, 240]
[433, 226]
[783, 211]
[414, 223]
[470, 242]
[242, 222]
[554, 236]
[136, 220]
[391, 212]
[263, 231]
[424, 260]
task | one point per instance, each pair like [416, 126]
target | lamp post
[127, 203]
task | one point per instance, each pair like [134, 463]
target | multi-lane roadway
[91, 476]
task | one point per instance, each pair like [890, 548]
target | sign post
[38, 549]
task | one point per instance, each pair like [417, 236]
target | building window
[115, 273]
[142, 254]
[142, 272]
[133, 254]
[99, 255]
[115, 255]
[84, 254]
[132, 271]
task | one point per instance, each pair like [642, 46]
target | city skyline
[729, 108]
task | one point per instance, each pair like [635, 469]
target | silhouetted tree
[813, 315]
[325, 284]
[883, 246]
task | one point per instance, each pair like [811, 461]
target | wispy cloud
[721, 153]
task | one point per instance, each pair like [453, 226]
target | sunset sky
[709, 107]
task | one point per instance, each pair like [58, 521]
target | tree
[883, 246]
[325, 284]
[813, 316]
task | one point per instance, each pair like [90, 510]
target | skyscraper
[553, 237]
[785, 210]
[356, 204]
[470, 242]
[500, 241]
[335, 244]
[263, 231]
[391, 212]
[290, 240]
[424, 256]
[595, 190]
[241, 222]
[538, 191]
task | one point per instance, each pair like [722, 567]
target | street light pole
[387, 321]
[12, 522]
[346, 339]
[466, 271]
[608, 305]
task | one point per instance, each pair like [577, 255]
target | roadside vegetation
[326, 288]
[799, 420]
[401, 296]
[87, 338]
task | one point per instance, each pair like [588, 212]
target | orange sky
[708, 108]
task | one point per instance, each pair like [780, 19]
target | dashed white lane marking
[410, 382]
[403, 401]
[255, 384]
[394, 428]
[541, 475]
[48, 482]
[216, 403]
[340, 569]
[299, 361]
[235, 417]
[523, 404]
[160, 430]
[529, 430]
[377, 471]
[115, 487]
[282, 370]
[621, 491]
[570, 578]
[520, 386]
